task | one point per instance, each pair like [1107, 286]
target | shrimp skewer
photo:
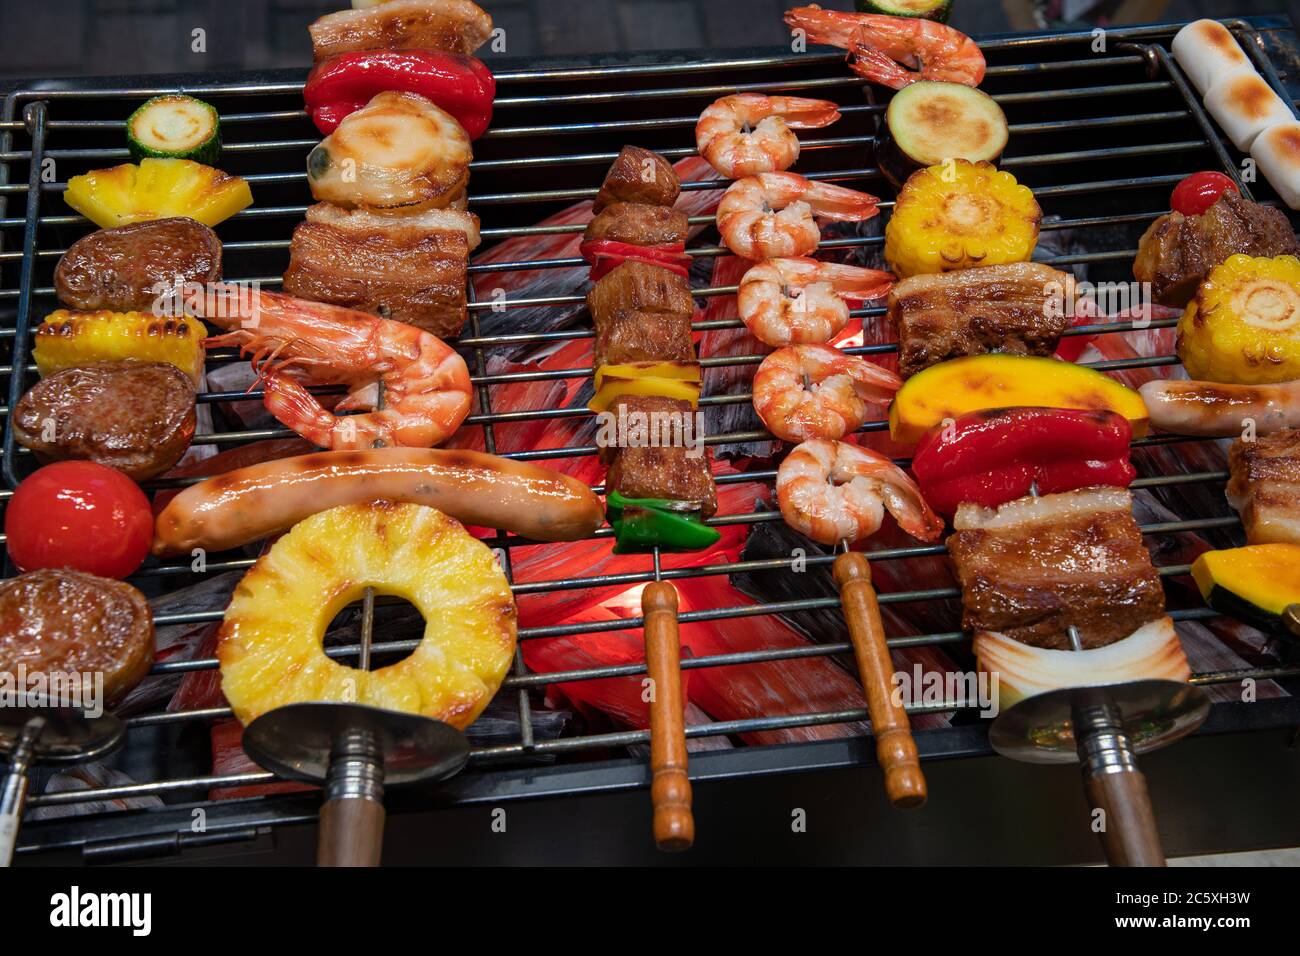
[770, 215]
[893, 51]
[295, 343]
[816, 391]
[750, 133]
[833, 491]
[803, 301]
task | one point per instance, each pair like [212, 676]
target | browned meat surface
[71, 623]
[137, 417]
[408, 268]
[661, 462]
[119, 269]
[642, 313]
[1265, 486]
[1035, 566]
[974, 311]
[662, 421]
[456, 26]
[1177, 252]
[638, 175]
[638, 223]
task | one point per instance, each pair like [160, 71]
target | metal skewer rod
[895, 749]
[13, 792]
[368, 595]
[670, 786]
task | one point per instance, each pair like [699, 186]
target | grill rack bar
[522, 680]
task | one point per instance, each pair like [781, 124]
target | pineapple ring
[270, 643]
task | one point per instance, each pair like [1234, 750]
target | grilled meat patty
[640, 224]
[1177, 252]
[68, 622]
[121, 269]
[137, 417]
[638, 175]
[1034, 566]
[1265, 486]
[409, 268]
[642, 313]
[1018, 308]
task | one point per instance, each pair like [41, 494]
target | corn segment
[67, 338]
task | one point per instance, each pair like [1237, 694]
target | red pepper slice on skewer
[606, 255]
[992, 457]
[454, 82]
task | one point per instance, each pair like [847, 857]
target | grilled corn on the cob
[66, 339]
[1243, 327]
[958, 215]
[157, 189]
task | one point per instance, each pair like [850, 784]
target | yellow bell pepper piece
[157, 189]
[614, 388]
[679, 371]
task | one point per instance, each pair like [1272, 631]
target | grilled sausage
[137, 417]
[65, 623]
[475, 488]
[119, 269]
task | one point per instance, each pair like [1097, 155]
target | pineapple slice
[1243, 327]
[157, 189]
[269, 645]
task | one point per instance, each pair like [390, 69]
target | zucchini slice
[931, 122]
[174, 126]
[937, 10]
[1256, 583]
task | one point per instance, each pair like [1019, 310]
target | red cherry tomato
[1199, 191]
[77, 514]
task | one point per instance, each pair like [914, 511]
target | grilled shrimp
[771, 214]
[833, 491]
[816, 391]
[893, 51]
[295, 343]
[802, 301]
[749, 133]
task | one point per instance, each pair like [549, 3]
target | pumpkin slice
[1256, 583]
[978, 382]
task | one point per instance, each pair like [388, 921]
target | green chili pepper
[642, 524]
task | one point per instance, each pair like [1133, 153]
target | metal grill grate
[1092, 130]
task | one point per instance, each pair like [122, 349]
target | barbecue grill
[1101, 135]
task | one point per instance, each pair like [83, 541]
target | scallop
[1277, 154]
[1208, 53]
[1245, 106]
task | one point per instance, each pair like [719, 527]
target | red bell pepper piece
[454, 82]
[992, 457]
[606, 255]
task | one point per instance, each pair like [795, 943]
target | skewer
[895, 748]
[368, 595]
[670, 787]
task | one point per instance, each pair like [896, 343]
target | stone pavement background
[106, 37]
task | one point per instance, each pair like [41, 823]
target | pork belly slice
[638, 223]
[1032, 567]
[456, 26]
[1265, 486]
[642, 313]
[410, 268]
[638, 175]
[1177, 252]
[1019, 308]
[663, 471]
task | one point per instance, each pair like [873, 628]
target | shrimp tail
[877, 66]
[298, 408]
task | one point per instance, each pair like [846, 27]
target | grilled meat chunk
[638, 175]
[642, 313]
[1177, 252]
[1265, 486]
[657, 457]
[120, 269]
[648, 420]
[1018, 308]
[640, 224]
[456, 26]
[1034, 566]
[137, 417]
[410, 268]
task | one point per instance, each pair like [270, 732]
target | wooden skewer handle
[670, 789]
[1130, 837]
[895, 748]
[351, 832]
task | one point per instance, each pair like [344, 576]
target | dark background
[43, 38]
